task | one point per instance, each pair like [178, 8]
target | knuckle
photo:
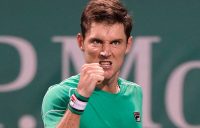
[84, 69]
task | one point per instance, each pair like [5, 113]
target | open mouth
[105, 64]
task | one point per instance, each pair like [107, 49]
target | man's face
[107, 45]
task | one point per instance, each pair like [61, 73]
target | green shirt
[104, 109]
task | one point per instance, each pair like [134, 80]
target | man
[98, 97]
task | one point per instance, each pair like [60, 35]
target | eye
[115, 43]
[96, 42]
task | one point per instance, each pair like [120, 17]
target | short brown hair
[108, 11]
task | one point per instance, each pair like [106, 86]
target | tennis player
[97, 97]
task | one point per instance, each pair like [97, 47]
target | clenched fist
[90, 76]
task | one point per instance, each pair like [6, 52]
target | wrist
[77, 103]
[83, 93]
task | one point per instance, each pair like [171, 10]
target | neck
[110, 85]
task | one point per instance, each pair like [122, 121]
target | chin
[108, 75]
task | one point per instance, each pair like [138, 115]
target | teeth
[105, 62]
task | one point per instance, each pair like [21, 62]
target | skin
[104, 48]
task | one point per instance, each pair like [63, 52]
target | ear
[129, 44]
[79, 39]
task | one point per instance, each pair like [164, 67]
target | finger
[100, 79]
[94, 67]
[91, 65]
[96, 72]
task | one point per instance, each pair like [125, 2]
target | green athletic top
[104, 109]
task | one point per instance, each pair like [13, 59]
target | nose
[106, 50]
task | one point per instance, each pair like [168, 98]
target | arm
[90, 75]
[69, 120]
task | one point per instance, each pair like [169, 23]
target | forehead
[106, 31]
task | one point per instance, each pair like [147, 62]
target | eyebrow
[120, 40]
[95, 39]
[100, 40]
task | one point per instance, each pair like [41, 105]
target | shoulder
[59, 94]
[65, 86]
[55, 101]
[70, 82]
[130, 85]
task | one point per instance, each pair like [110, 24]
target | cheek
[93, 51]
[120, 57]
[120, 53]
[91, 54]
[120, 60]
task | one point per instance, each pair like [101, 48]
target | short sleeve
[55, 104]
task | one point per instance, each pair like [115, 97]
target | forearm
[69, 120]
[90, 75]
